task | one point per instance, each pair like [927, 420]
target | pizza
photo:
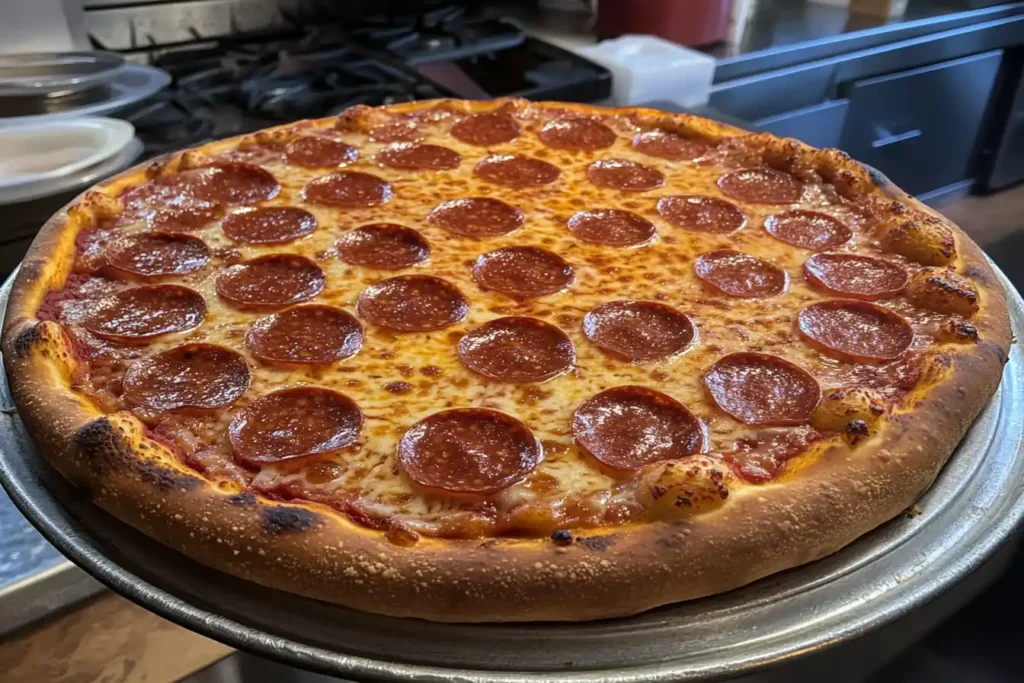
[503, 361]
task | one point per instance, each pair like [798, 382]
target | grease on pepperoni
[234, 183]
[741, 275]
[701, 214]
[142, 313]
[761, 186]
[269, 225]
[808, 229]
[624, 175]
[614, 227]
[311, 334]
[522, 271]
[477, 217]
[197, 376]
[348, 189]
[484, 130]
[576, 134]
[761, 389]
[628, 427]
[517, 349]
[640, 331]
[516, 171]
[469, 451]
[402, 130]
[665, 145]
[318, 151]
[294, 423]
[416, 156]
[187, 216]
[271, 281]
[855, 331]
[386, 246]
[157, 254]
[855, 276]
[413, 303]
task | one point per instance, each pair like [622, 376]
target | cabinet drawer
[818, 126]
[921, 127]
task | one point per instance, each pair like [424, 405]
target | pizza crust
[312, 550]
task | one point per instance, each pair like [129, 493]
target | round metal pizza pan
[973, 507]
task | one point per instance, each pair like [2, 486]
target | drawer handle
[899, 137]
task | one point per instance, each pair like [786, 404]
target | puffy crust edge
[311, 550]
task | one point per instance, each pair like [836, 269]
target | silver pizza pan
[971, 510]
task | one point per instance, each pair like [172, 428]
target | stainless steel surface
[53, 73]
[974, 505]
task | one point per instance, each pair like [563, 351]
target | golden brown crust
[314, 551]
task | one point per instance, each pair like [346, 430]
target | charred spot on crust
[107, 450]
[561, 537]
[598, 543]
[25, 340]
[977, 274]
[856, 430]
[244, 499]
[288, 520]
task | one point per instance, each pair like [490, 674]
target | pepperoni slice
[576, 134]
[348, 189]
[627, 176]
[857, 277]
[522, 271]
[477, 217]
[141, 313]
[614, 227]
[317, 151]
[469, 450]
[271, 281]
[808, 229]
[760, 389]
[640, 331]
[742, 275]
[701, 214]
[235, 183]
[516, 171]
[294, 423]
[172, 190]
[157, 254]
[761, 186]
[312, 334]
[628, 427]
[413, 303]
[412, 156]
[406, 130]
[187, 216]
[383, 245]
[665, 145]
[269, 225]
[855, 331]
[517, 349]
[484, 130]
[199, 376]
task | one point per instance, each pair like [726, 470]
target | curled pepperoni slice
[199, 376]
[627, 176]
[477, 217]
[516, 171]
[517, 349]
[614, 227]
[402, 130]
[742, 275]
[413, 156]
[665, 145]
[640, 331]
[761, 186]
[413, 303]
[317, 151]
[348, 189]
[310, 334]
[577, 134]
[187, 216]
[294, 423]
[522, 271]
[808, 229]
[157, 254]
[383, 245]
[269, 225]
[701, 214]
[760, 389]
[141, 313]
[484, 130]
[469, 450]
[271, 281]
[857, 277]
[855, 331]
[628, 427]
[234, 183]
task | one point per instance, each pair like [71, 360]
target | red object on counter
[687, 22]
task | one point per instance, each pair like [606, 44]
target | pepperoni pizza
[503, 361]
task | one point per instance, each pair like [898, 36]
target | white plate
[41, 73]
[46, 152]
